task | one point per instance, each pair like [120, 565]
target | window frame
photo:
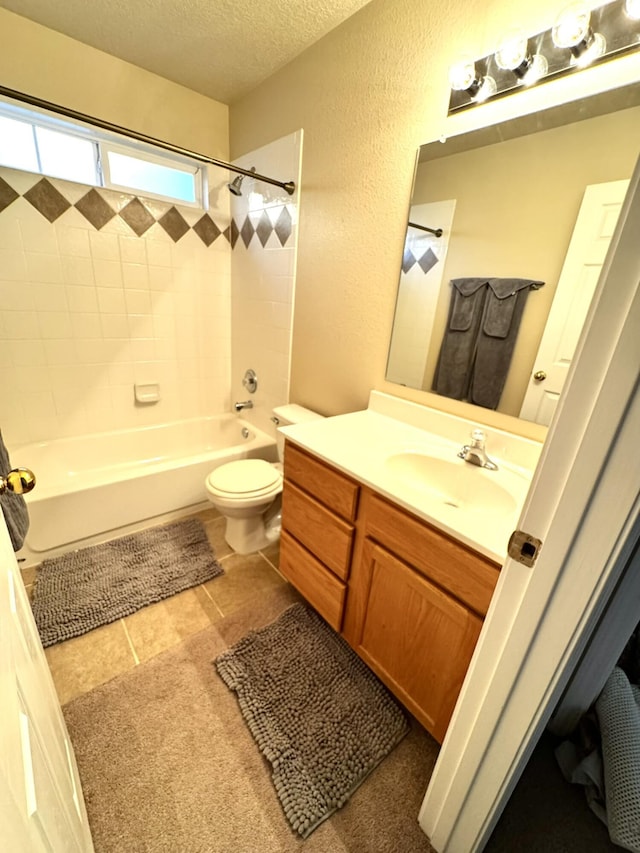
[105, 142]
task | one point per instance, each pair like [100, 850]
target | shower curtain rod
[288, 186]
[436, 231]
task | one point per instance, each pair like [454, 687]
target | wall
[263, 275]
[367, 95]
[46, 64]
[89, 308]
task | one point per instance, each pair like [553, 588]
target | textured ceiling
[220, 48]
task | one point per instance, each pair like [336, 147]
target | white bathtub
[96, 487]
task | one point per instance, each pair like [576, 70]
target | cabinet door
[416, 638]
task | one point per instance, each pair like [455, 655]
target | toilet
[247, 492]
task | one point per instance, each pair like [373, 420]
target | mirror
[512, 205]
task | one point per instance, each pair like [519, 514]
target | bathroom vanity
[368, 540]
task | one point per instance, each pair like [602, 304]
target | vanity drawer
[318, 529]
[319, 586]
[326, 484]
[470, 577]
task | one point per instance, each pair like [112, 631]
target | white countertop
[360, 444]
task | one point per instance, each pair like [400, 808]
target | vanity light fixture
[632, 8]
[514, 55]
[573, 31]
[465, 78]
[579, 37]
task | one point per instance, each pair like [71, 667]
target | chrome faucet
[244, 404]
[475, 453]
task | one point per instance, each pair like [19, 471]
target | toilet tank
[287, 415]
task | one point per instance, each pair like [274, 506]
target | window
[37, 142]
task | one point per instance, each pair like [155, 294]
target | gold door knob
[539, 375]
[18, 481]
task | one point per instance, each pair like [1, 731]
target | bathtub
[96, 487]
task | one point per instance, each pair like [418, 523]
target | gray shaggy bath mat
[317, 713]
[93, 586]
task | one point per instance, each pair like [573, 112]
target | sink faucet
[474, 452]
[244, 404]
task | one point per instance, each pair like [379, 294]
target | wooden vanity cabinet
[319, 506]
[407, 598]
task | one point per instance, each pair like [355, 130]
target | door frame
[583, 505]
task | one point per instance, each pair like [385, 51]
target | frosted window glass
[68, 157]
[17, 145]
[151, 177]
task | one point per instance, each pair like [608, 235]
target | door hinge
[524, 548]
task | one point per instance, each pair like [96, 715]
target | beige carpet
[168, 764]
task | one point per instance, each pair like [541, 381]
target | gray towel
[14, 507]
[483, 324]
[454, 369]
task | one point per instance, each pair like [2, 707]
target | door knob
[18, 481]
[539, 375]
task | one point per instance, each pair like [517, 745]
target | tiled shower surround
[101, 290]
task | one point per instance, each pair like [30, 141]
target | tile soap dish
[147, 393]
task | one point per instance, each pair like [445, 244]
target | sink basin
[458, 484]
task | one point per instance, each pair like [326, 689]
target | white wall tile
[107, 273]
[111, 300]
[82, 298]
[77, 269]
[135, 276]
[84, 313]
[49, 297]
[20, 325]
[43, 267]
[73, 241]
[38, 235]
[104, 246]
[55, 324]
[133, 250]
[13, 265]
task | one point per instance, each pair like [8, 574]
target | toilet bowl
[247, 492]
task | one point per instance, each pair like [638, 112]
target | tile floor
[80, 664]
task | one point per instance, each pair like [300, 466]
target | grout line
[267, 560]
[212, 599]
[131, 646]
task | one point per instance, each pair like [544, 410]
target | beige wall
[44, 63]
[367, 95]
[516, 205]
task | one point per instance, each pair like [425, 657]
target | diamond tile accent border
[7, 194]
[137, 217]
[207, 230]
[95, 209]
[51, 203]
[47, 200]
[174, 224]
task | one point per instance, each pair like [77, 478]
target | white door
[41, 804]
[584, 504]
[590, 240]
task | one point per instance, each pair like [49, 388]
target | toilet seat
[245, 479]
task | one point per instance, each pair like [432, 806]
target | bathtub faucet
[244, 404]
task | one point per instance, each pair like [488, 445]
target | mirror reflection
[490, 310]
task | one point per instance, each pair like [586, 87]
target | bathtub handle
[18, 480]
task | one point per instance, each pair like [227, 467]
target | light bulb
[595, 49]
[513, 53]
[487, 88]
[632, 8]
[572, 27]
[462, 76]
[537, 70]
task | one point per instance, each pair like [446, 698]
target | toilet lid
[243, 476]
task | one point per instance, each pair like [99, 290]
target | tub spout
[244, 404]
